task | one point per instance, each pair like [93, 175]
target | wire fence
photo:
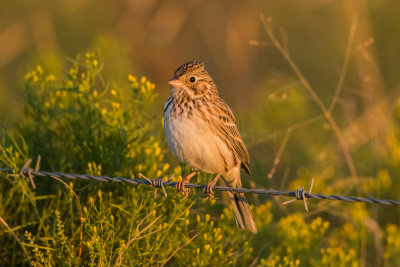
[299, 194]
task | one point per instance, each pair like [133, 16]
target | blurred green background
[287, 135]
[155, 37]
[152, 38]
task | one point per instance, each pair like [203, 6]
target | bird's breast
[192, 139]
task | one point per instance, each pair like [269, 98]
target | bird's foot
[180, 186]
[208, 190]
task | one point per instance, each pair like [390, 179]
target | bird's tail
[241, 208]
[242, 212]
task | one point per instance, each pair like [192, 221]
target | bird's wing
[226, 125]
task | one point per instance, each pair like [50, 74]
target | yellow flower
[158, 151]
[165, 167]
[39, 69]
[50, 78]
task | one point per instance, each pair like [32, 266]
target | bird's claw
[208, 191]
[180, 187]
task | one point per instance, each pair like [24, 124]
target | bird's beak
[175, 82]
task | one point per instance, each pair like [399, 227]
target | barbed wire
[299, 194]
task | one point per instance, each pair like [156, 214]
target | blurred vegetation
[90, 115]
[80, 123]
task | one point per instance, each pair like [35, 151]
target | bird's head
[193, 79]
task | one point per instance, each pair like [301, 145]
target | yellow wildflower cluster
[393, 243]
[338, 256]
[39, 76]
[297, 235]
[278, 261]
[94, 169]
[263, 214]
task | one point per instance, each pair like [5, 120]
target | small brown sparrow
[201, 131]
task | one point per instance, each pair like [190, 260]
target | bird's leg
[180, 186]
[208, 189]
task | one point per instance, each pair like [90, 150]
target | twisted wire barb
[299, 194]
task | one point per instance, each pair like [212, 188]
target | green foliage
[80, 123]
[90, 118]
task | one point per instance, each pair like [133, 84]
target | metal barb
[157, 182]
[26, 171]
[300, 194]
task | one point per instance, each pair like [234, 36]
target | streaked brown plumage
[201, 131]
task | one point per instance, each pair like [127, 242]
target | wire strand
[299, 194]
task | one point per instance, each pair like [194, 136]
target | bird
[201, 131]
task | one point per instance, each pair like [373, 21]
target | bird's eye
[192, 79]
